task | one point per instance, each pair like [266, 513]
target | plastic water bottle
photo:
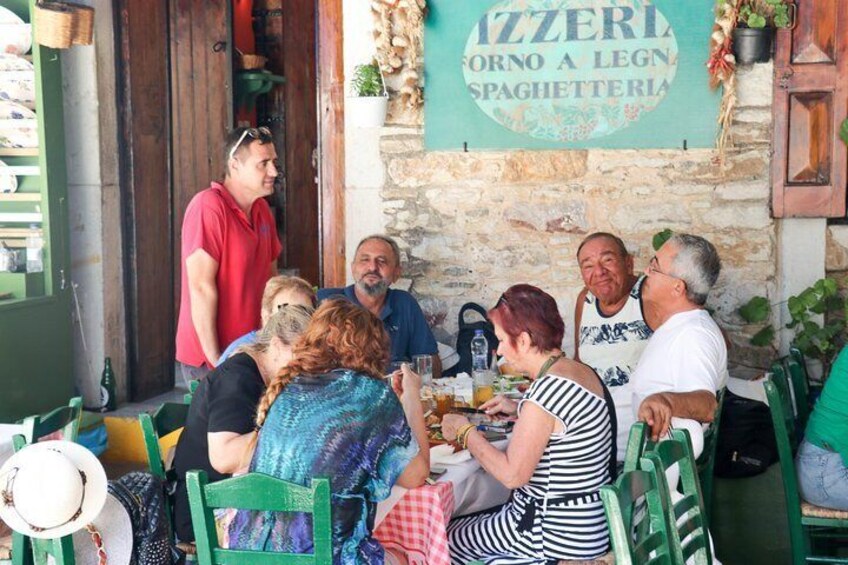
[34, 250]
[479, 352]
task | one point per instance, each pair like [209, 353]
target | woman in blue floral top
[329, 414]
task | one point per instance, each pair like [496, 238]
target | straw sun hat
[51, 489]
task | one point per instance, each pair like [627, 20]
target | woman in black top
[220, 423]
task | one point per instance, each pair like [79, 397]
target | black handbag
[466, 334]
[143, 497]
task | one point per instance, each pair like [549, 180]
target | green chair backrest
[27, 550]
[636, 515]
[169, 417]
[797, 372]
[686, 519]
[64, 418]
[778, 397]
[258, 491]
[706, 461]
[638, 442]
[779, 380]
[192, 387]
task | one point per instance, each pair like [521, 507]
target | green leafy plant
[367, 80]
[761, 13]
[660, 238]
[843, 132]
[816, 340]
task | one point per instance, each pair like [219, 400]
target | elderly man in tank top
[612, 326]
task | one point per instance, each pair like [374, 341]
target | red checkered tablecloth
[417, 525]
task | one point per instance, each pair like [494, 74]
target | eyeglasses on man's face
[654, 269]
[261, 133]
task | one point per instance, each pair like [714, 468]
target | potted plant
[756, 21]
[369, 100]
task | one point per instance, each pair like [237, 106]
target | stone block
[754, 85]
[444, 168]
[530, 166]
[400, 145]
[567, 217]
[750, 216]
[836, 257]
[751, 190]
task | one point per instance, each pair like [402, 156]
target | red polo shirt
[244, 251]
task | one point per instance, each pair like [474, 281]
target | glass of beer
[444, 396]
[483, 387]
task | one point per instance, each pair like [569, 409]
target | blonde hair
[286, 325]
[279, 283]
[340, 335]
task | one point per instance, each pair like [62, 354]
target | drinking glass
[483, 387]
[444, 396]
[423, 365]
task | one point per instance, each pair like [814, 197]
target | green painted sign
[548, 74]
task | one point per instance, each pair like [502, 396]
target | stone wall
[472, 224]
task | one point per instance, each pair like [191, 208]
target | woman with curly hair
[330, 414]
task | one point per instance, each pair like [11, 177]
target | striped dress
[558, 514]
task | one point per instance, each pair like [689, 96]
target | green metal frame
[636, 535]
[258, 491]
[685, 519]
[26, 550]
[801, 527]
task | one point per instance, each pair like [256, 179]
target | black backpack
[466, 334]
[746, 444]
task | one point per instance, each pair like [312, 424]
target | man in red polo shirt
[229, 251]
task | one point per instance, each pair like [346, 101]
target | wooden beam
[331, 178]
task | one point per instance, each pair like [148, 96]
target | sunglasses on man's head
[261, 133]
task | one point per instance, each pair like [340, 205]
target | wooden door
[144, 139]
[810, 102]
[202, 103]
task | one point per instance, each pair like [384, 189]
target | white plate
[18, 86]
[8, 182]
[9, 62]
[15, 39]
[15, 111]
[19, 133]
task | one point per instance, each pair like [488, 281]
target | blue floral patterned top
[347, 427]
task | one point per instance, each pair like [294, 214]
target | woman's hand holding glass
[409, 383]
[500, 405]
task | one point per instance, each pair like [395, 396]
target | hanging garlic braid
[341, 335]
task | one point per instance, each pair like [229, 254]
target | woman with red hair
[329, 413]
[560, 453]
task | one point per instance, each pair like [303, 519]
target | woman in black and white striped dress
[560, 453]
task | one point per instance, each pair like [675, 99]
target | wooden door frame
[331, 147]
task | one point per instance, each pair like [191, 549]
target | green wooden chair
[778, 377]
[638, 442]
[168, 418]
[636, 516]
[25, 550]
[192, 387]
[685, 518]
[795, 367]
[706, 461]
[805, 520]
[258, 491]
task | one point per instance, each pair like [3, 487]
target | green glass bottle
[108, 402]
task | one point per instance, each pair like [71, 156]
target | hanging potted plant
[369, 100]
[756, 21]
